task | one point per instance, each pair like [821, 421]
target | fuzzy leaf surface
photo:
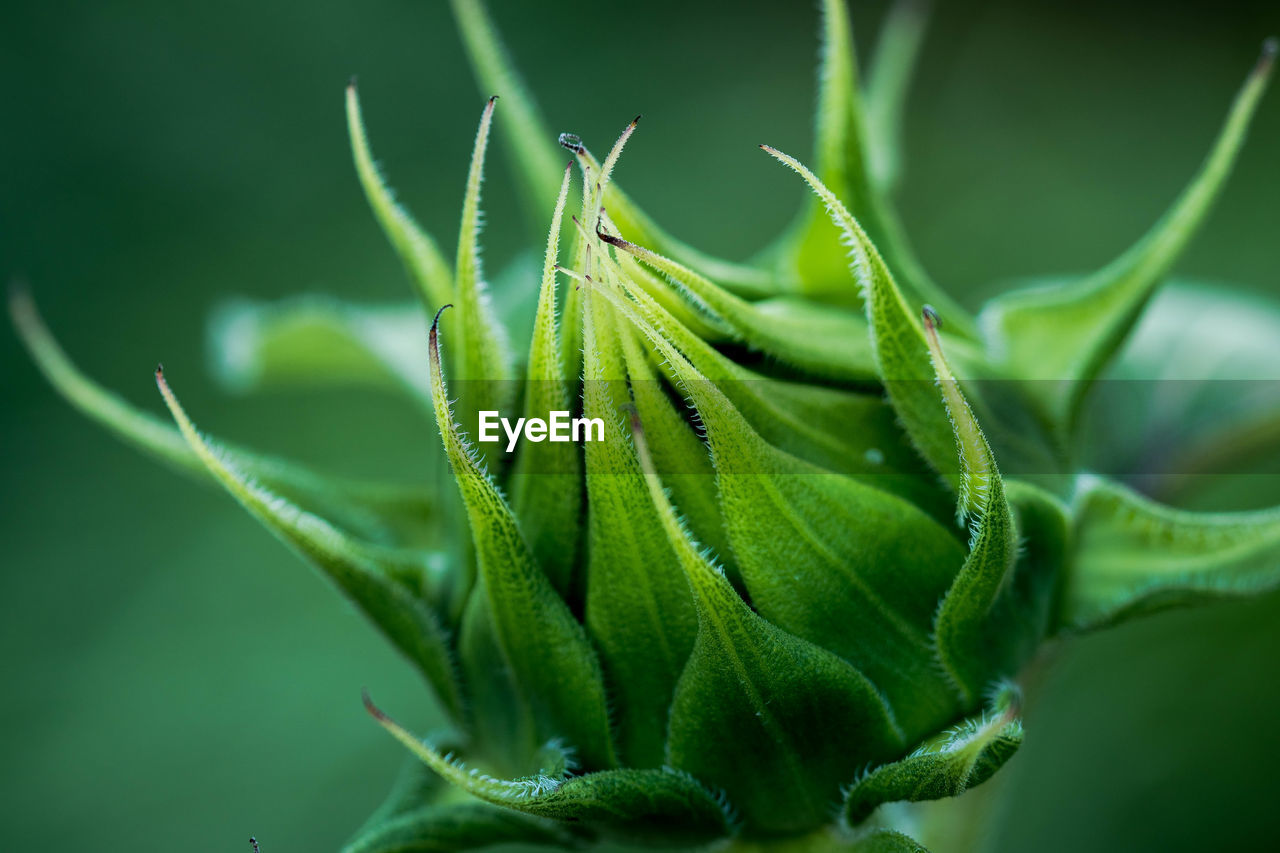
[546, 651]
[410, 625]
[636, 804]
[753, 708]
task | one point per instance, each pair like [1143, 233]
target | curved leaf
[965, 757]
[485, 362]
[408, 623]
[892, 64]
[381, 513]
[546, 483]
[825, 342]
[820, 552]
[315, 340]
[967, 639]
[546, 651]
[639, 611]
[1059, 338]
[897, 340]
[1134, 556]
[461, 826]
[639, 804]
[772, 719]
[416, 248]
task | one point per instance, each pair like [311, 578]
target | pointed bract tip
[374, 710]
[633, 414]
[1270, 48]
[493, 99]
[159, 371]
[254, 842]
[635, 121]
[351, 82]
[435, 323]
[568, 166]
[931, 318]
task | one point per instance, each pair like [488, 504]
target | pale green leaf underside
[315, 341]
[1134, 556]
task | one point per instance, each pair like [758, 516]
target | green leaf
[530, 144]
[963, 758]
[813, 248]
[1059, 338]
[809, 421]
[377, 512]
[742, 279]
[639, 611]
[546, 483]
[853, 555]
[460, 826]
[772, 719]
[319, 341]
[679, 455]
[897, 340]
[637, 804]
[416, 248]
[485, 363]
[359, 571]
[885, 841]
[968, 639]
[825, 342]
[1134, 556]
[889, 77]
[551, 661]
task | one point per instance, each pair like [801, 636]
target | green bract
[824, 531]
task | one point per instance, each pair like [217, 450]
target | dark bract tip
[931, 318]
[571, 141]
[374, 710]
[436, 322]
[159, 371]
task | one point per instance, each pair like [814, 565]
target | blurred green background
[176, 680]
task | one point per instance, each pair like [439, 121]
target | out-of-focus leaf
[358, 571]
[551, 661]
[639, 611]
[314, 340]
[459, 826]
[892, 64]
[813, 248]
[1133, 556]
[1059, 338]
[897, 340]
[485, 363]
[382, 513]
[546, 483]
[637, 804]
[1193, 399]
[826, 342]
[965, 633]
[530, 144]
[770, 718]
[416, 248]
[963, 758]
